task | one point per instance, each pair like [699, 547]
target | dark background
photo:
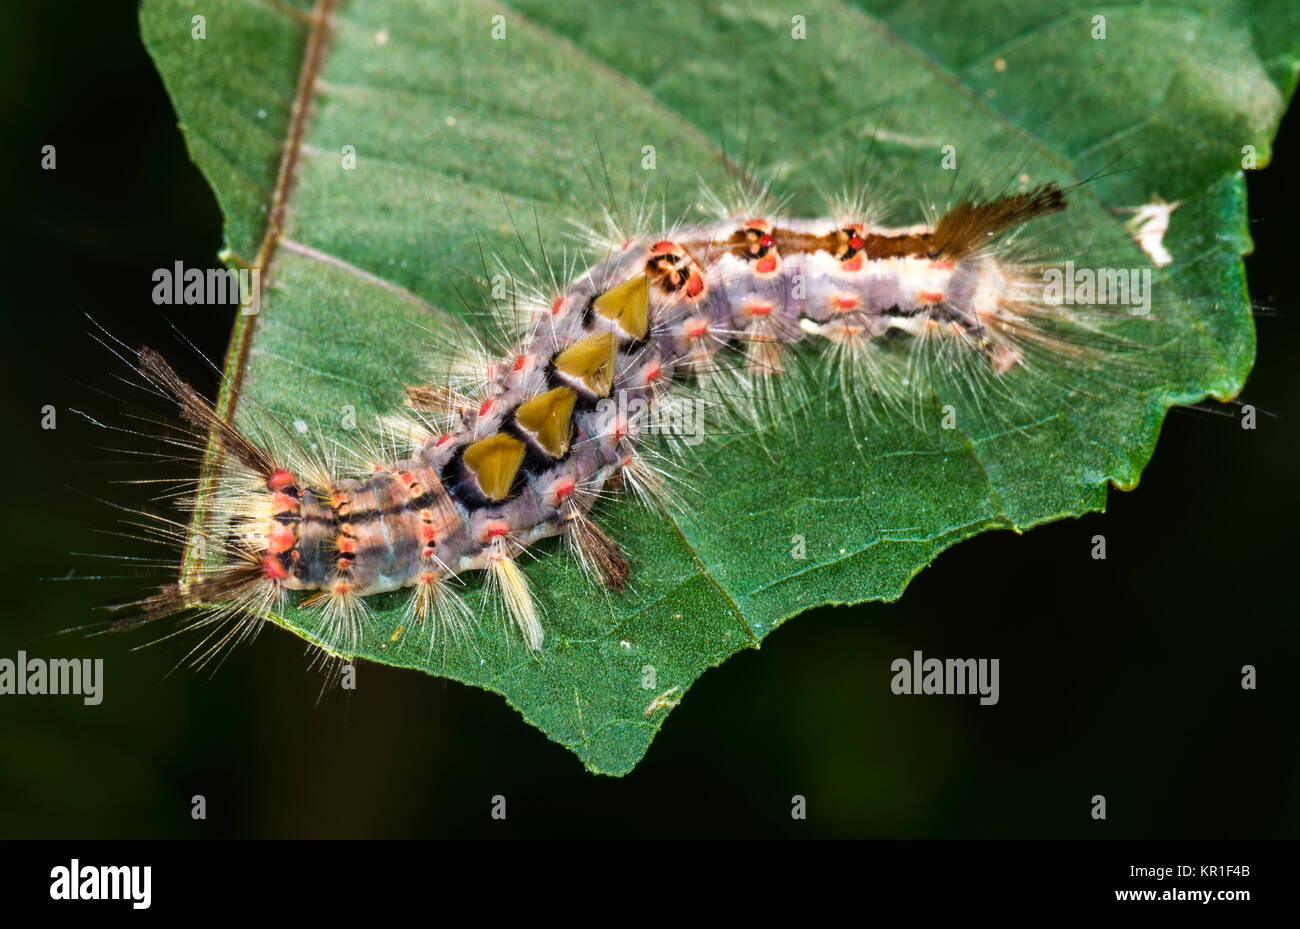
[1118, 677]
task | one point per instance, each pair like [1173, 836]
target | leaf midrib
[241, 340]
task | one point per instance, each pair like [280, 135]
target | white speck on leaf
[668, 698]
[1148, 227]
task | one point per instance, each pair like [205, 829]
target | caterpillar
[520, 446]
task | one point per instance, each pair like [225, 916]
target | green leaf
[459, 136]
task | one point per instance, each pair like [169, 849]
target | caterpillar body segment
[561, 417]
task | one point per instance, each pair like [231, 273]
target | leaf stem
[241, 338]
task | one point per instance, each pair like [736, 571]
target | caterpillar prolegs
[526, 448]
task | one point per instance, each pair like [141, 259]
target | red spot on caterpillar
[563, 488]
[663, 248]
[943, 265]
[520, 362]
[757, 224]
[283, 503]
[853, 264]
[280, 480]
[557, 306]
[652, 372]
[442, 440]
[766, 265]
[694, 286]
[844, 304]
[767, 241]
[272, 568]
[427, 578]
[856, 243]
[757, 308]
[485, 408]
[342, 588]
[280, 539]
[696, 328]
[930, 296]
[497, 530]
[428, 533]
[347, 546]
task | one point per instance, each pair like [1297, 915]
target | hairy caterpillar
[519, 446]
